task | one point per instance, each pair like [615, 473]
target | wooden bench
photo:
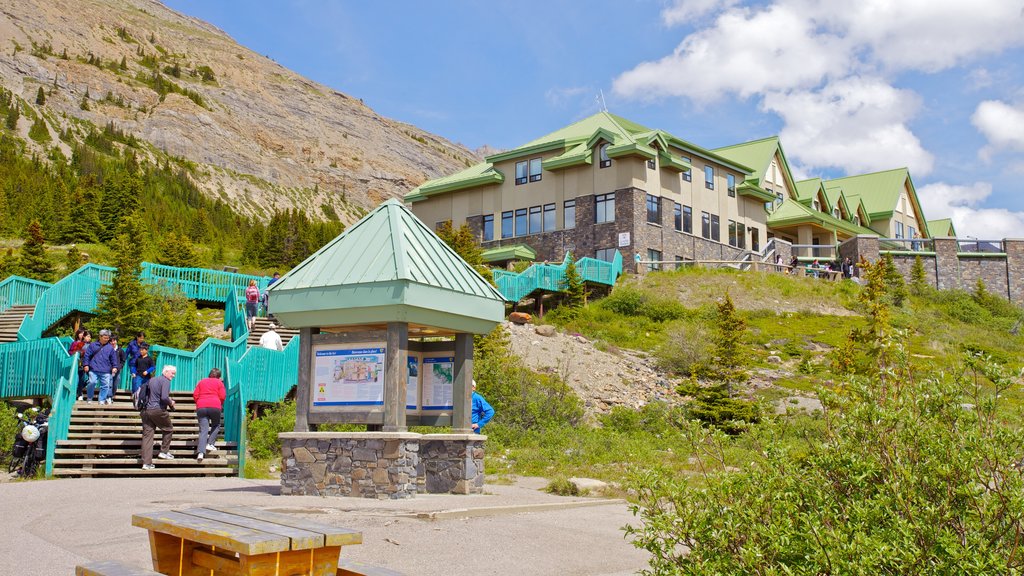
[234, 540]
[351, 568]
[111, 568]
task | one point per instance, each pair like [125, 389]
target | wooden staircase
[259, 328]
[106, 440]
[10, 321]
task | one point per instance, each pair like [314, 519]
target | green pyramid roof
[388, 267]
[756, 154]
[942, 227]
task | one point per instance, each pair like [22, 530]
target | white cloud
[560, 97]
[717, 61]
[1000, 123]
[683, 11]
[961, 203]
[858, 124]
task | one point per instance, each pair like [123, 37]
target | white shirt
[271, 340]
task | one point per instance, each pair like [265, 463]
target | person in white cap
[271, 340]
[482, 411]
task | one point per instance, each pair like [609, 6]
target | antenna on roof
[600, 100]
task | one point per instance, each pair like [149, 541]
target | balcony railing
[816, 251]
[980, 246]
[906, 245]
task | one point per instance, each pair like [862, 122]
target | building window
[655, 257]
[778, 198]
[569, 214]
[442, 224]
[732, 233]
[899, 229]
[549, 217]
[856, 219]
[816, 205]
[521, 229]
[677, 216]
[604, 208]
[651, 164]
[488, 227]
[535, 169]
[536, 220]
[836, 213]
[653, 209]
[911, 233]
[605, 254]
[730, 185]
[755, 240]
[687, 219]
[714, 228]
[605, 160]
[741, 235]
[709, 177]
[705, 225]
[688, 173]
[521, 177]
[506, 225]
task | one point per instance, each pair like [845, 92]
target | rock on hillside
[254, 133]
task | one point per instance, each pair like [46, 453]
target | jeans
[104, 380]
[151, 420]
[83, 381]
[250, 310]
[208, 417]
[137, 382]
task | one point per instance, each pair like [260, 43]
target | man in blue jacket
[482, 411]
[133, 353]
[101, 362]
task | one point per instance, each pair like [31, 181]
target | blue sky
[935, 85]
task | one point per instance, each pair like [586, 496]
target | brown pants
[151, 420]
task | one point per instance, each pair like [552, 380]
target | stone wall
[383, 465]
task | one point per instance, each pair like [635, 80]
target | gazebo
[386, 313]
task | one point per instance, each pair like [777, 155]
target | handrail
[234, 315]
[32, 368]
[235, 406]
[194, 365]
[62, 402]
[20, 291]
[551, 277]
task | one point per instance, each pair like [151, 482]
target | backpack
[141, 397]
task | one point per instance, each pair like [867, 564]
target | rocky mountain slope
[245, 128]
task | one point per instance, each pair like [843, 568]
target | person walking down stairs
[271, 340]
[155, 415]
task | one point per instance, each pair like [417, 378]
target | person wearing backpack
[143, 368]
[252, 302]
[155, 400]
[209, 396]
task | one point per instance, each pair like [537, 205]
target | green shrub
[687, 350]
[8, 426]
[714, 406]
[629, 301]
[262, 432]
[562, 487]
[653, 418]
[960, 305]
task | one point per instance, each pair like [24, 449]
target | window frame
[509, 218]
[709, 177]
[730, 185]
[687, 219]
[524, 164]
[549, 209]
[741, 235]
[487, 224]
[535, 211]
[899, 229]
[755, 239]
[677, 216]
[601, 206]
[523, 230]
[656, 256]
[705, 225]
[566, 206]
[602, 154]
[610, 252]
[688, 174]
[654, 201]
[732, 233]
[538, 162]
[652, 165]
[716, 228]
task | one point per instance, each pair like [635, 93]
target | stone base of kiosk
[381, 464]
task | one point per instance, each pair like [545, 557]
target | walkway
[53, 525]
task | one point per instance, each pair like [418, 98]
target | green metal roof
[756, 154]
[879, 191]
[477, 175]
[942, 227]
[806, 190]
[513, 252]
[388, 267]
[793, 212]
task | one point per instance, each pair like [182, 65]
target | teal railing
[550, 277]
[234, 314]
[18, 291]
[194, 365]
[200, 283]
[33, 368]
[77, 291]
[62, 401]
[235, 407]
[268, 375]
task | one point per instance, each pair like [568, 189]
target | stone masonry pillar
[947, 264]
[1014, 269]
[861, 246]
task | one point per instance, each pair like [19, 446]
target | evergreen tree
[731, 328]
[10, 265]
[462, 241]
[124, 63]
[175, 320]
[73, 260]
[34, 262]
[83, 217]
[124, 304]
[918, 281]
[13, 113]
[40, 96]
[895, 286]
[573, 286]
[85, 100]
[177, 250]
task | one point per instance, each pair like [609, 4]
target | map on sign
[348, 377]
[412, 386]
[438, 377]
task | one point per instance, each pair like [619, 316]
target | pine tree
[124, 304]
[462, 241]
[40, 96]
[73, 260]
[731, 328]
[83, 217]
[85, 100]
[918, 281]
[573, 286]
[124, 63]
[34, 262]
[177, 250]
[13, 113]
[175, 320]
[10, 265]
[895, 286]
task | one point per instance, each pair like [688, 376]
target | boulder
[545, 330]
[774, 359]
[519, 317]
[588, 484]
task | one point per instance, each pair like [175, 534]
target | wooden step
[127, 435]
[137, 471]
[185, 460]
[130, 442]
[124, 452]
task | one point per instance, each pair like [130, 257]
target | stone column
[947, 264]
[452, 463]
[396, 377]
[1015, 269]
[462, 387]
[862, 246]
[305, 383]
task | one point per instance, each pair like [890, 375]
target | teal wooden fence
[32, 368]
[550, 277]
[62, 401]
[18, 291]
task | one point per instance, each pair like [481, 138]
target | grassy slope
[796, 318]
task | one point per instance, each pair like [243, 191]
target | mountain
[246, 129]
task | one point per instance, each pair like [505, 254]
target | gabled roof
[758, 154]
[942, 227]
[389, 266]
[575, 145]
[794, 212]
[880, 191]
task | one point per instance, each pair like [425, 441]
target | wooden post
[305, 384]
[462, 388]
[396, 376]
